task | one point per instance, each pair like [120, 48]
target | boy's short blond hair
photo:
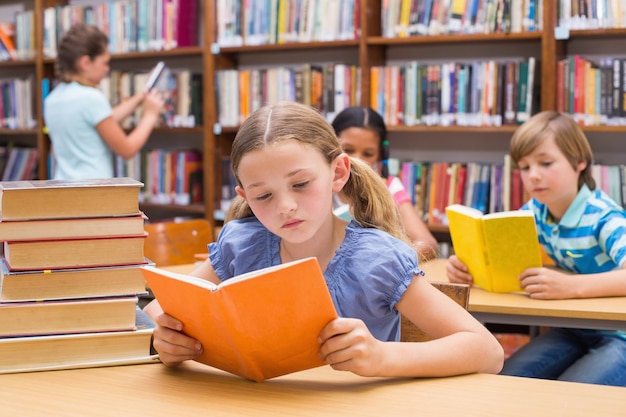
[567, 134]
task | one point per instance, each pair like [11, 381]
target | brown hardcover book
[257, 325]
[71, 228]
[57, 284]
[67, 316]
[78, 350]
[57, 199]
[74, 253]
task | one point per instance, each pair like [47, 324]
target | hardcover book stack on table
[70, 275]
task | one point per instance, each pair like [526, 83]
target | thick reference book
[55, 284]
[57, 199]
[75, 253]
[79, 350]
[72, 228]
[257, 325]
[67, 316]
[496, 247]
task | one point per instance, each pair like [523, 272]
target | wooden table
[589, 313]
[198, 390]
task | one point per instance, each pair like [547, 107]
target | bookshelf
[370, 49]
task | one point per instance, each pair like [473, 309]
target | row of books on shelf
[488, 188]
[181, 90]
[131, 25]
[479, 93]
[16, 37]
[72, 253]
[593, 91]
[328, 87]
[170, 176]
[17, 103]
[7, 41]
[18, 163]
[241, 22]
[401, 18]
[580, 15]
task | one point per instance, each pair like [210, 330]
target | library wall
[379, 45]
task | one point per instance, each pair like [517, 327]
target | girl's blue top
[368, 275]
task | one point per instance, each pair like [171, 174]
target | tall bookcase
[368, 50]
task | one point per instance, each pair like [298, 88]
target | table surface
[516, 308]
[195, 389]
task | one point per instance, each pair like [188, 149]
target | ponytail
[370, 202]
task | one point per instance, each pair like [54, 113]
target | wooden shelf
[293, 46]
[20, 132]
[605, 129]
[598, 33]
[452, 129]
[18, 63]
[466, 38]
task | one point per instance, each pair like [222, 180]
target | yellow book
[405, 13]
[496, 247]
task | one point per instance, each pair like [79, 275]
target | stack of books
[70, 275]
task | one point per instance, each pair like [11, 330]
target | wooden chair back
[176, 243]
[458, 292]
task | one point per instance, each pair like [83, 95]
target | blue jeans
[571, 355]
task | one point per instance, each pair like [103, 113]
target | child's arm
[127, 106]
[127, 146]
[173, 346]
[552, 284]
[462, 345]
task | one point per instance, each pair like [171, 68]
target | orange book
[7, 41]
[257, 325]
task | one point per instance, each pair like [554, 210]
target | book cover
[74, 253]
[155, 75]
[6, 40]
[496, 247]
[258, 325]
[67, 316]
[79, 350]
[22, 230]
[52, 199]
[51, 284]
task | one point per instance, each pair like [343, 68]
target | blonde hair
[370, 202]
[567, 134]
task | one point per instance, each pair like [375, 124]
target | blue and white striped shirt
[590, 238]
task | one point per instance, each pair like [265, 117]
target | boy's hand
[457, 271]
[347, 345]
[173, 346]
[548, 284]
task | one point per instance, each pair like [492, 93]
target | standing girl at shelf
[583, 231]
[84, 130]
[288, 164]
[363, 135]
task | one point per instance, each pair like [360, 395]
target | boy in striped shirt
[584, 232]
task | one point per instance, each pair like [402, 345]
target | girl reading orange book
[288, 164]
